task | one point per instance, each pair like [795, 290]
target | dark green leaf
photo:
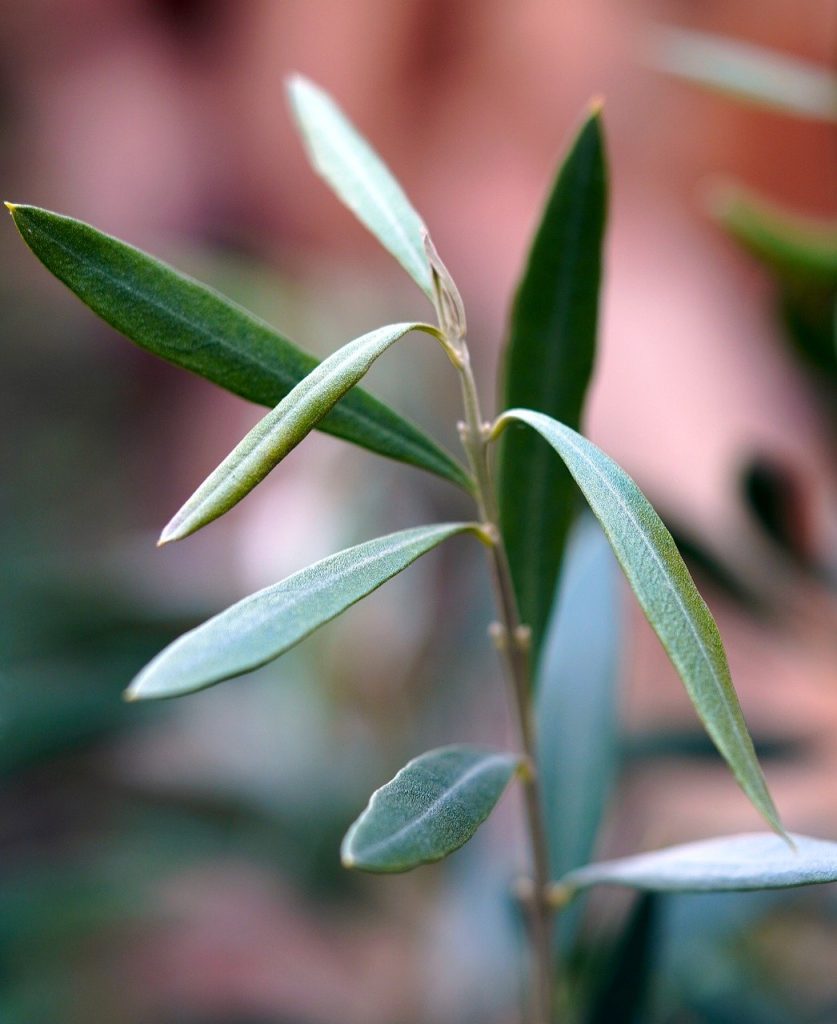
[268, 623]
[622, 986]
[431, 807]
[548, 363]
[666, 593]
[193, 326]
[751, 73]
[754, 860]
[283, 428]
[360, 178]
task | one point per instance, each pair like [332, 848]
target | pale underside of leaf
[432, 807]
[666, 593]
[360, 179]
[261, 627]
[282, 429]
[754, 860]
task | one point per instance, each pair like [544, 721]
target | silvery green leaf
[752, 73]
[575, 701]
[266, 624]
[274, 436]
[431, 808]
[754, 860]
[666, 593]
[360, 178]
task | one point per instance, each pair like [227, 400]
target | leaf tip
[173, 530]
[595, 107]
[132, 694]
[11, 207]
[347, 857]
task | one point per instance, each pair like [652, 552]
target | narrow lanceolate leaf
[575, 706]
[283, 428]
[268, 623]
[666, 593]
[548, 363]
[194, 327]
[431, 808]
[360, 178]
[754, 860]
[751, 73]
[576, 699]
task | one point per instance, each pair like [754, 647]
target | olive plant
[523, 469]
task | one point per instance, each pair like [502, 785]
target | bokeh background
[179, 864]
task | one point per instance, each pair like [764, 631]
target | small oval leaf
[753, 860]
[266, 624]
[431, 808]
[360, 178]
[666, 593]
[274, 436]
[192, 326]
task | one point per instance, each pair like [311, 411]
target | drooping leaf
[266, 624]
[578, 744]
[748, 72]
[194, 327]
[753, 860]
[283, 428]
[432, 806]
[666, 593]
[360, 178]
[548, 363]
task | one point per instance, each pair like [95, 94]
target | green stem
[513, 642]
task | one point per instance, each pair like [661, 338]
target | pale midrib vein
[642, 532]
[430, 810]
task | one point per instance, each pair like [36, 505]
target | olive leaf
[431, 808]
[666, 593]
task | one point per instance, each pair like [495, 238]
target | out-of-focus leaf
[283, 428]
[753, 860]
[751, 73]
[576, 700]
[266, 624]
[192, 326]
[360, 178]
[432, 806]
[548, 362]
[801, 254]
[622, 988]
[666, 593]
[810, 319]
[798, 248]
